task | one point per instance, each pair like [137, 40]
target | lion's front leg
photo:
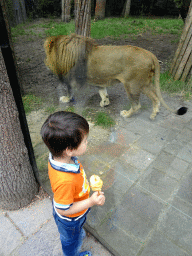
[104, 97]
[60, 91]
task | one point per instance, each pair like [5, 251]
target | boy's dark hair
[63, 130]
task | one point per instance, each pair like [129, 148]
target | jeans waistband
[70, 219]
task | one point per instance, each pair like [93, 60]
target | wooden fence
[182, 62]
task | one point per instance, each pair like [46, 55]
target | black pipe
[14, 82]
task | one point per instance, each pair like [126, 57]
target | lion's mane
[64, 52]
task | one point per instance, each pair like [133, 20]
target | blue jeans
[71, 234]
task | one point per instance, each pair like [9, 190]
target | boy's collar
[74, 168]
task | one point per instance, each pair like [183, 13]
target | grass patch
[115, 27]
[104, 120]
[55, 28]
[50, 109]
[109, 27]
[98, 118]
[168, 84]
[31, 103]
[70, 109]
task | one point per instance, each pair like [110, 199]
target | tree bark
[100, 9]
[127, 8]
[83, 17]
[18, 184]
[66, 10]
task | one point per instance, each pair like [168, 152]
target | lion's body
[133, 66]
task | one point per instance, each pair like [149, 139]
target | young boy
[65, 134]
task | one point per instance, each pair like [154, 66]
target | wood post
[182, 62]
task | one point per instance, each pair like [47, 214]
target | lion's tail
[180, 111]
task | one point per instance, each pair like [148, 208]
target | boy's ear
[69, 152]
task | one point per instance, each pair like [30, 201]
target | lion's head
[64, 52]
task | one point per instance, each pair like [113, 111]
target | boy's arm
[95, 199]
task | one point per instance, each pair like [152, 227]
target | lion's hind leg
[135, 105]
[104, 97]
[149, 92]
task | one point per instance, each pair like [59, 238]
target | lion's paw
[104, 103]
[152, 116]
[64, 99]
[125, 113]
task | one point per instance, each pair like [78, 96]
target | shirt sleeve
[64, 196]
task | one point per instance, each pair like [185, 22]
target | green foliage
[179, 3]
[45, 8]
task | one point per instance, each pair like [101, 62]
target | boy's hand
[98, 198]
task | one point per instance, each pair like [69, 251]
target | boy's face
[82, 147]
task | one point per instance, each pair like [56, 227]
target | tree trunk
[83, 17]
[66, 10]
[126, 9]
[18, 184]
[100, 9]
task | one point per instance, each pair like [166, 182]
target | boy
[65, 134]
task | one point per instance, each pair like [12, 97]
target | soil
[37, 80]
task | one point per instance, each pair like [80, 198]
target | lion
[133, 66]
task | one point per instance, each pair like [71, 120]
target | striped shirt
[69, 184]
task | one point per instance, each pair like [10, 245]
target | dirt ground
[36, 79]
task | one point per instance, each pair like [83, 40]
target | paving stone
[145, 115]
[137, 157]
[114, 193]
[10, 237]
[177, 168]
[107, 151]
[186, 153]
[173, 147]
[93, 165]
[158, 183]
[185, 135]
[160, 245]
[173, 121]
[45, 242]
[141, 211]
[140, 127]
[123, 136]
[163, 161]
[29, 219]
[152, 142]
[185, 191]
[118, 239]
[182, 206]
[177, 227]
[127, 170]
[189, 125]
[172, 134]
